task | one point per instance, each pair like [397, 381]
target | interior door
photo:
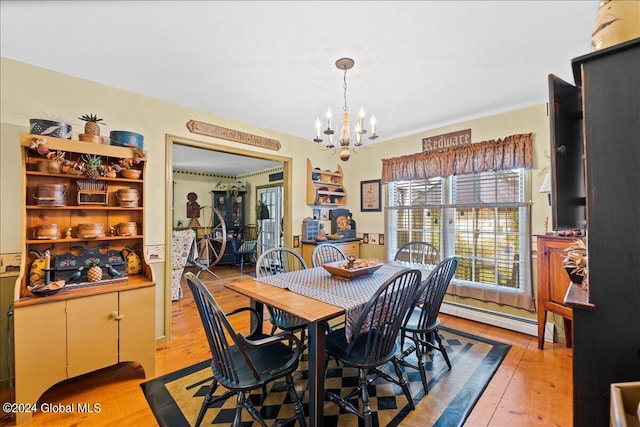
[270, 222]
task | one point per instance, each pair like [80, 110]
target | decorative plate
[45, 290]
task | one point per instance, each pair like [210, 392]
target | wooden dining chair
[242, 364]
[372, 342]
[244, 250]
[422, 322]
[325, 253]
[418, 253]
[282, 260]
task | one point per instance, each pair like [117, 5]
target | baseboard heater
[505, 321]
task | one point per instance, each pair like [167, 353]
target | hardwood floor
[531, 387]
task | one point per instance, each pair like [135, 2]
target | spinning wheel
[211, 240]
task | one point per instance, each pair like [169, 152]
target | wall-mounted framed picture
[371, 195]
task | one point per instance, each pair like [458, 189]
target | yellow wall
[202, 184]
[188, 182]
[530, 119]
[32, 92]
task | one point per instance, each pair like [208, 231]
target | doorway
[284, 211]
[271, 234]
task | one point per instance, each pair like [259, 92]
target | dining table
[316, 296]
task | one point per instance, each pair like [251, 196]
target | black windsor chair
[422, 322]
[373, 341]
[242, 364]
[282, 260]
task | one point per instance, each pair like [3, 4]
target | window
[482, 218]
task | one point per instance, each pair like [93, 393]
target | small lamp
[546, 186]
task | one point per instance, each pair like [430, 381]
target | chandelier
[346, 144]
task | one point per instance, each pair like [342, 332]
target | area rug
[175, 398]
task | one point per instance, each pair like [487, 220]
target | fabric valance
[512, 152]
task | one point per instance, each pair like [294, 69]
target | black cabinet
[606, 335]
[231, 208]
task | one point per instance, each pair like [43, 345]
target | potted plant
[575, 261]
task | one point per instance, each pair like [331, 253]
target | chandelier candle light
[344, 64]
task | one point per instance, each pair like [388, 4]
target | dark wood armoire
[606, 325]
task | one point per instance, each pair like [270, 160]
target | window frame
[520, 296]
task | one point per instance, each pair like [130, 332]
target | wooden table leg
[316, 372]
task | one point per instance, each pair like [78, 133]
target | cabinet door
[137, 328]
[220, 202]
[40, 349]
[558, 279]
[236, 216]
[92, 333]
[350, 249]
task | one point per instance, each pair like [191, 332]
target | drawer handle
[117, 316]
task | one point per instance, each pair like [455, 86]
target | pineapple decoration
[91, 127]
[93, 163]
[94, 274]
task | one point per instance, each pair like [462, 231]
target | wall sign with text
[232, 135]
[446, 140]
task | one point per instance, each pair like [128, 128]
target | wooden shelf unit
[326, 186]
[90, 326]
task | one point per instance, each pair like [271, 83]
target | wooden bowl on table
[339, 268]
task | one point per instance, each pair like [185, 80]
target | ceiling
[186, 158]
[418, 64]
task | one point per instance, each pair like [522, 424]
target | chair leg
[404, 383]
[421, 362]
[297, 404]
[343, 402]
[238, 415]
[205, 404]
[442, 349]
[364, 396]
[303, 336]
[248, 405]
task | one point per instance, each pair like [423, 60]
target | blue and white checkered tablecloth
[352, 295]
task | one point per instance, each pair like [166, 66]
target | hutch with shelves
[231, 207]
[87, 325]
